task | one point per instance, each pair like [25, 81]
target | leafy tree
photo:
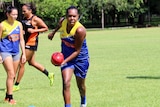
[94, 12]
[115, 8]
[53, 10]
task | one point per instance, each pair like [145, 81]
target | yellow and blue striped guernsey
[10, 37]
[8, 29]
[68, 46]
[63, 31]
[80, 64]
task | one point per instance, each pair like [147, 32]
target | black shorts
[33, 48]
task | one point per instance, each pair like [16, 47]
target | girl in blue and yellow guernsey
[11, 36]
[75, 51]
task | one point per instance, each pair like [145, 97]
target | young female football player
[75, 51]
[32, 25]
[11, 36]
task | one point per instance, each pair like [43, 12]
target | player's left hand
[23, 59]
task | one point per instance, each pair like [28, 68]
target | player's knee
[22, 64]
[30, 63]
[11, 75]
[66, 85]
[81, 87]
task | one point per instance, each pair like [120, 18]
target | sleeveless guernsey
[31, 39]
[10, 37]
[68, 42]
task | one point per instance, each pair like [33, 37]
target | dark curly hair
[71, 7]
[31, 6]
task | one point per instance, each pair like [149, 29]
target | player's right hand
[50, 36]
[1, 60]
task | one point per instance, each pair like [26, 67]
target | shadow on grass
[143, 77]
[2, 89]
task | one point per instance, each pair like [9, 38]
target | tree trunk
[141, 19]
[102, 18]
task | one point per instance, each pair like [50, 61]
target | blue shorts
[80, 67]
[7, 54]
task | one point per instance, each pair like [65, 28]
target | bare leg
[20, 73]
[38, 66]
[66, 76]
[15, 65]
[30, 57]
[81, 86]
[82, 89]
[35, 64]
[22, 66]
[9, 67]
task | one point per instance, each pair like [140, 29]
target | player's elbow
[46, 28]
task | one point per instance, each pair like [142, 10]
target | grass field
[124, 72]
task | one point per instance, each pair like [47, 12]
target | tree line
[96, 13]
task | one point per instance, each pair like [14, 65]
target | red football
[57, 58]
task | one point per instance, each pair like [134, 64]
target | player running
[75, 51]
[33, 25]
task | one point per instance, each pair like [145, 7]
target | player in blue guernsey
[75, 51]
[11, 36]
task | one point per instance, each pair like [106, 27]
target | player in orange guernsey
[32, 25]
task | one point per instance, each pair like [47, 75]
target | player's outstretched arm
[51, 35]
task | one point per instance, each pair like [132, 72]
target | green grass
[124, 72]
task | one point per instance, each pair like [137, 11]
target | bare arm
[22, 44]
[1, 31]
[79, 38]
[39, 24]
[0, 39]
[51, 35]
